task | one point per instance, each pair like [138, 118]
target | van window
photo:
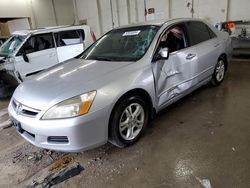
[66, 38]
[197, 32]
[38, 43]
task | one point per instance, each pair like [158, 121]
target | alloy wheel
[220, 71]
[131, 121]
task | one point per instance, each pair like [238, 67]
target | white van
[28, 52]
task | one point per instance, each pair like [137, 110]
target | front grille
[25, 133]
[58, 139]
[21, 109]
[28, 112]
[32, 135]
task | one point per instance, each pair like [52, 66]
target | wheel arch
[138, 92]
[224, 57]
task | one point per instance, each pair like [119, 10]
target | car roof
[50, 29]
[159, 22]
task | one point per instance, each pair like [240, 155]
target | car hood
[64, 81]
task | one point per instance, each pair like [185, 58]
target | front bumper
[82, 133]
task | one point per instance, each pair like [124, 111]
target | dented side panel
[174, 76]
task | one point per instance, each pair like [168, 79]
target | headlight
[72, 107]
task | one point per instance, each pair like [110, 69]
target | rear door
[204, 44]
[69, 44]
[41, 53]
[177, 74]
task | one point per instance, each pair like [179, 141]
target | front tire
[128, 120]
[219, 72]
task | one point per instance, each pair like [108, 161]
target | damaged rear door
[177, 74]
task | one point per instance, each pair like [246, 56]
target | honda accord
[118, 84]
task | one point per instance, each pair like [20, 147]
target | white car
[28, 52]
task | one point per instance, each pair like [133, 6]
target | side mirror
[25, 57]
[164, 53]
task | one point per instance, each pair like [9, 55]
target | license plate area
[17, 125]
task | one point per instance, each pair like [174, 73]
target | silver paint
[165, 81]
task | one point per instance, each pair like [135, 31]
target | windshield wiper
[102, 59]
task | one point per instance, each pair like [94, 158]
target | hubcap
[131, 121]
[220, 71]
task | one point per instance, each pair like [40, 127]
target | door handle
[190, 56]
[216, 44]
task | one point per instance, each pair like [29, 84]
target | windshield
[10, 46]
[128, 44]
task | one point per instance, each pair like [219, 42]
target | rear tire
[219, 72]
[128, 121]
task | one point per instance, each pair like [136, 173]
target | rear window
[72, 37]
[198, 32]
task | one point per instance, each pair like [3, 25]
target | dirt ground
[204, 138]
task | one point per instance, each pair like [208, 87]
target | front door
[175, 75]
[40, 52]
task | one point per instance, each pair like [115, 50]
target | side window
[72, 37]
[198, 32]
[38, 43]
[211, 33]
[174, 39]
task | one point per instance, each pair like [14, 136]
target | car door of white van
[37, 54]
[175, 75]
[70, 44]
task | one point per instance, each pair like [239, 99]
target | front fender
[138, 77]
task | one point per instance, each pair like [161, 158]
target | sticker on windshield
[131, 33]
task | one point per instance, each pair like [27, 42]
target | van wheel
[128, 120]
[219, 72]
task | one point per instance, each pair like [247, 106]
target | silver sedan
[118, 84]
